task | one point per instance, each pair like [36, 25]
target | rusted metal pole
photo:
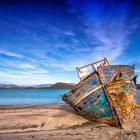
[106, 60]
[78, 73]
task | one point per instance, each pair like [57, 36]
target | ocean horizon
[21, 97]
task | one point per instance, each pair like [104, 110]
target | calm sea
[35, 97]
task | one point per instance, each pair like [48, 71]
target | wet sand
[58, 122]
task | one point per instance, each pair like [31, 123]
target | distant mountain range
[58, 85]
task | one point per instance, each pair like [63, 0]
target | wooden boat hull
[104, 97]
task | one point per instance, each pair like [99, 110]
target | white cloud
[7, 53]
[109, 41]
[26, 66]
[33, 78]
[106, 30]
[99, 35]
[69, 33]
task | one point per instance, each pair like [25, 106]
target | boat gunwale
[80, 82]
[94, 72]
[119, 65]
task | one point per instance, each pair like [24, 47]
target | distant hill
[42, 86]
[61, 86]
[58, 85]
[8, 86]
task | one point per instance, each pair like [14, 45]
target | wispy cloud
[105, 30]
[23, 78]
[69, 33]
[47, 48]
[11, 54]
[26, 66]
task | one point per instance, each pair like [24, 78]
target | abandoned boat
[105, 93]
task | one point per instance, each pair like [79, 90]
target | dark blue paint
[97, 106]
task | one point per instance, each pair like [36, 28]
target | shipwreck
[106, 93]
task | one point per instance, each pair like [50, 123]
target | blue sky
[44, 41]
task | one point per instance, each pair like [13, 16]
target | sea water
[35, 97]
[31, 96]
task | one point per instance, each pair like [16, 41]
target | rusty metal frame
[103, 60]
[92, 65]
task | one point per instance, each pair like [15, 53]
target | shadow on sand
[68, 108]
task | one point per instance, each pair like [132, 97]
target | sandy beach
[58, 122]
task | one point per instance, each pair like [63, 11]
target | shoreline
[57, 121]
[38, 105]
[33, 105]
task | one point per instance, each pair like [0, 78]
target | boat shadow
[68, 108]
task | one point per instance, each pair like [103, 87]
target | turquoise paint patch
[99, 108]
